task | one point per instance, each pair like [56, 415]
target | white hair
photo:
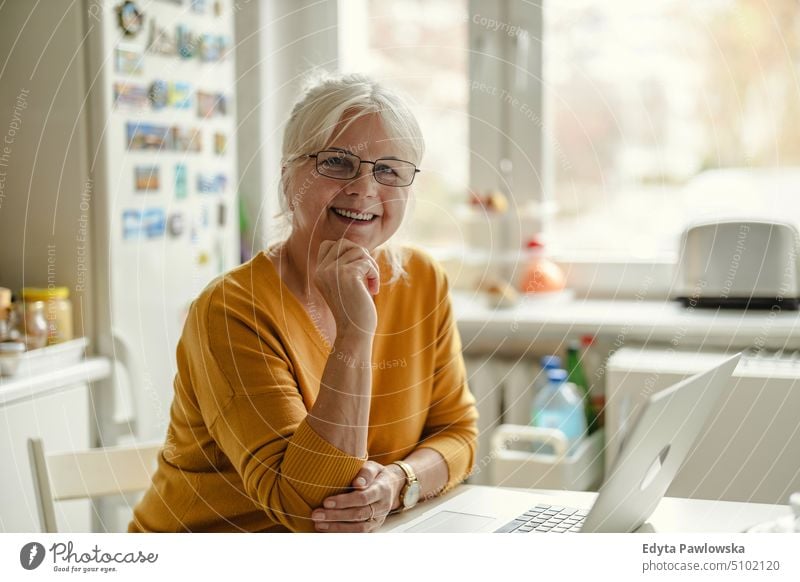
[326, 100]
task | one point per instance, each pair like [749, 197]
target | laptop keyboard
[546, 519]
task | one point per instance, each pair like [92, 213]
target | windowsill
[619, 321]
[591, 277]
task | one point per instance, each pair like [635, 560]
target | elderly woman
[321, 385]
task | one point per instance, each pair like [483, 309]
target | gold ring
[371, 513]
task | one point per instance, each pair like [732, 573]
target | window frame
[497, 33]
[279, 39]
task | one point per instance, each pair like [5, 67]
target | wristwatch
[411, 490]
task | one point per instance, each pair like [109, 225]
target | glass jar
[58, 311]
[5, 313]
[30, 323]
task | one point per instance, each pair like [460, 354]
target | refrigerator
[119, 180]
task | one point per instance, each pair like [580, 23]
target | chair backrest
[88, 473]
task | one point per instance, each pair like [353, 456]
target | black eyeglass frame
[361, 161]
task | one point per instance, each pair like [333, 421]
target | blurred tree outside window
[668, 111]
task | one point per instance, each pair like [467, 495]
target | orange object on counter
[541, 275]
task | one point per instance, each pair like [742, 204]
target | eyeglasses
[343, 165]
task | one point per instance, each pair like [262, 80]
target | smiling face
[319, 201]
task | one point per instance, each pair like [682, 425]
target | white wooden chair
[87, 474]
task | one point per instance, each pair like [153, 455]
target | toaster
[742, 264]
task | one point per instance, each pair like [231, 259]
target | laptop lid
[654, 449]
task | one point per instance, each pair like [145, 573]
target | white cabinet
[750, 447]
[55, 408]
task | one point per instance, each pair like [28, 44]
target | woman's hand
[376, 493]
[347, 276]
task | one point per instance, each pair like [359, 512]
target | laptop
[653, 450]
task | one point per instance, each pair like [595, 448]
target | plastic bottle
[592, 363]
[577, 376]
[560, 405]
[541, 275]
[546, 363]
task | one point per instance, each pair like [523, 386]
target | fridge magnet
[181, 181]
[220, 143]
[211, 184]
[187, 42]
[154, 222]
[129, 18]
[206, 184]
[175, 224]
[222, 212]
[158, 94]
[160, 41]
[131, 96]
[187, 139]
[128, 61]
[217, 8]
[205, 216]
[146, 178]
[209, 48]
[180, 95]
[198, 6]
[145, 136]
[224, 47]
[131, 224]
[211, 104]
[147, 223]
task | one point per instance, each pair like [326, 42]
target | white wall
[46, 199]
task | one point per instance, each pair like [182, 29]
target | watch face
[411, 495]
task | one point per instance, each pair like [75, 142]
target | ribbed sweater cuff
[457, 454]
[317, 468]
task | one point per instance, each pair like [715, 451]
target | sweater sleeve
[249, 399]
[451, 424]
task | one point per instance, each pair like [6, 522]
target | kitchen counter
[14, 389]
[486, 330]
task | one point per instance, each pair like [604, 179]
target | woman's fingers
[361, 510]
[341, 247]
[347, 515]
[363, 518]
[325, 249]
[358, 498]
[357, 253]
[367, 474]
[366, 265]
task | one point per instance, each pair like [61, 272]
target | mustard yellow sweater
[239, 454]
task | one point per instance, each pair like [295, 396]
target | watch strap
[408, 470]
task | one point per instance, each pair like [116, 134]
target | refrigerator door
[163, 158]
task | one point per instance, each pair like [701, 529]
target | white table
[672, 514]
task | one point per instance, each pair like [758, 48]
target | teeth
[354, 215]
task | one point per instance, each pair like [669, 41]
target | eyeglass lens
[344, 166]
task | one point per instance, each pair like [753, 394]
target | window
[668, 111]
[419, 47]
